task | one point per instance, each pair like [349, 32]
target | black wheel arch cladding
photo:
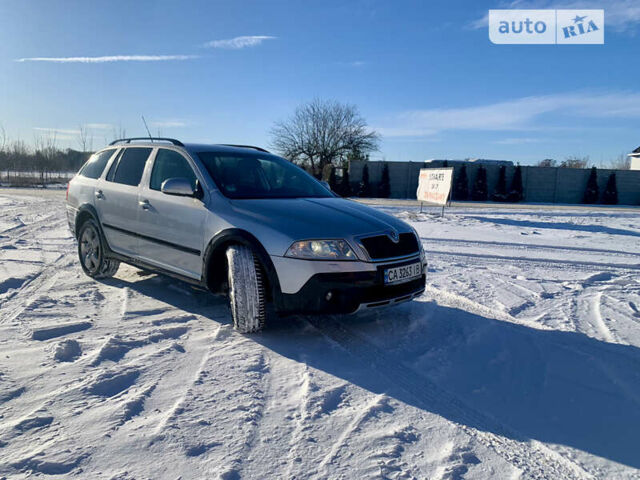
[85, 212]
[214, 255]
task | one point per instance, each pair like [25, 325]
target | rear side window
[170, 164]
[130, 166]
[95, 165]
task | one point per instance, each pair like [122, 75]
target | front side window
[170, 164]
[95, 165]
[130, 166]
[250, 176]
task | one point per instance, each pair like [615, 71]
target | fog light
[328, 296]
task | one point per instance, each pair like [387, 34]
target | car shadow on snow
[556, 387]
[176, 293]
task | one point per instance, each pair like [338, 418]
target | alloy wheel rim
[90, 249]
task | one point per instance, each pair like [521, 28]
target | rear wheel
[247, 297]
[91, 252]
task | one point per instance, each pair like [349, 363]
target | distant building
[485, 161]
[479, 161]
[635, 159]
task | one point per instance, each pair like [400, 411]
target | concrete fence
[541, 184]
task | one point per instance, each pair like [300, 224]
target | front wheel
[247, 297]
[91, 252]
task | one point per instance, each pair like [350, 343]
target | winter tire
[91, 252]
[246, 289]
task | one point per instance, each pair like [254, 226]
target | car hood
[308, 218]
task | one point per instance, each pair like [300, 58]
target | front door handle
[99, 194]
[144, 204]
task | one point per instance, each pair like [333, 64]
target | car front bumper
[344, 287]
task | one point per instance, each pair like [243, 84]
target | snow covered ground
[521, 360]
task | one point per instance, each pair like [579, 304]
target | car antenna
[145, 126]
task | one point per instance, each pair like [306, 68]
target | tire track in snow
[272, 450]
[501, 259]
[379, 402]
[527, 246]
[20, 299]
[595, 314]
[448, 298]
[301, 416]
[40, 283]
[196, 376]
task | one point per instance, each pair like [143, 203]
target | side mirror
[180, 187]
[326, 184]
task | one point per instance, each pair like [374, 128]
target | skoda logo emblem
[393, 235]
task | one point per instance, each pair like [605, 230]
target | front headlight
[321, 250]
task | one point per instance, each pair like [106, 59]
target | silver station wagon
[240, 221]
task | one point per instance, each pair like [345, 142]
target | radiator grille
[381, 246]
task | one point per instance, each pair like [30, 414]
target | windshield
[268, 176]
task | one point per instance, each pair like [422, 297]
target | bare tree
[85, 139]
[4, 160]
[46, 153]
[622, 162]
[119, 132]
[17, 152]
[38, 164]
[323, 132]
[575, 162]
[547, 162]
[3, 138]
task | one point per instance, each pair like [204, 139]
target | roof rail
[260, 149]
[150, 139]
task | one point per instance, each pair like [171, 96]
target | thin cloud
[169, 124]
[620, 15]
[239, 42]
[67, 131]
[517, 141]
[109, 59]
[353, 64]
[479, 23]
[406, 131]
[56, 134]
[99, 126]
[522, 114]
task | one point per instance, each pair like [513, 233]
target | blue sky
[424, 74]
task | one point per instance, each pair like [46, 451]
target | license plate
[402, 274]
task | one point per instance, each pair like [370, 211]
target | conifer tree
[345, 185]
[500, 194]
[610, 194]
[516, 193]
[332, 179]
[461, 185]
[364, 189]
[384, 190]
[591, 191]
[479, 192]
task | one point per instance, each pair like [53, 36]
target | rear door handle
[144, 204]
[99, 194]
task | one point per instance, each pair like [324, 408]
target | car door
[117, 199]
[171, 226]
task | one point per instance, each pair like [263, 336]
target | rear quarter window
[130, 166]
[95, 165]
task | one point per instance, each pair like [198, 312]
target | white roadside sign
[434, 185]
